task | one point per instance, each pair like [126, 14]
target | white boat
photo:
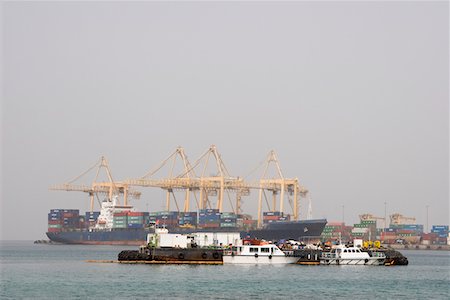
[343, 255]
[258, 254]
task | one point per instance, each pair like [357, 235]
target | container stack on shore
[442, 232]
[64, 220]
[389, 235]
[366, 229]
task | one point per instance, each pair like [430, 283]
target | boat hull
[373, 261]
[263, 260]
[132, 237]
[299, 230]
[296, 230]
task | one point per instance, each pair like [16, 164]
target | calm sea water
[61, 271]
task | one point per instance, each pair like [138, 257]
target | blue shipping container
[132, 225]
[437, 227]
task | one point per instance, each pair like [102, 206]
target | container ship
[119, 225]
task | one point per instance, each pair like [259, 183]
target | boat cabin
[257, 250]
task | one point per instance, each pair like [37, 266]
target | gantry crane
[208, 177]
[370, 217]
[279, 185]
[194, 178]
[110, 188]
[206, 185]
[398, 219]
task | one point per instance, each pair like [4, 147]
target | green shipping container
[54, 225]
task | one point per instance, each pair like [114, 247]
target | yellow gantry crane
[194, 178]
[187, 180]
[205, 179]
[370, 217]
[398, 219]
[279, 185]
[108, 188]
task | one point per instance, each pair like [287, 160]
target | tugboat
[174, 248]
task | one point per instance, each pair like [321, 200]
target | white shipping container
[360, 230]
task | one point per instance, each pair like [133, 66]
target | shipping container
[210, 225]
[368, 222]
[54, 226]
[272, 213]
[274, 218]
[440, 227]
[132, 225]
[209, 211]
[168, 213]
[120, 214]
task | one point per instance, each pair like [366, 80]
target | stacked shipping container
[60, 219]
[137, 219]
[91, 218]
[120, 220]
[167, 218]
[63, 219]
[228, 220]
[274, 216]
[188, 218]
[442, 234]
[209, 218]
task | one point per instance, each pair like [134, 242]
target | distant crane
[370, 217]
[398, 219]
[110, 188]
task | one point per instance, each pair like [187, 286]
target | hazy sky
[352, 96]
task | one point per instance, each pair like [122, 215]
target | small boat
[344, 255]
[258, 254]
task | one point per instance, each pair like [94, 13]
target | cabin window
[345, 250]
[253, 250]
[353, 250]
[265, 250]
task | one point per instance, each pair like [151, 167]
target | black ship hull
[297, 230]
